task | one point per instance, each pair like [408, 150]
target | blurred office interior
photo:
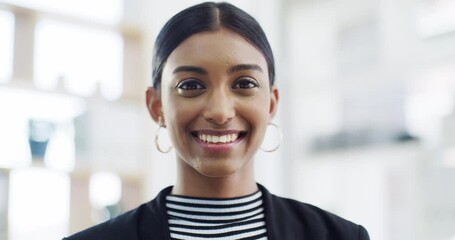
[366, 108]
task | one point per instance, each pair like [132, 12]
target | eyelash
[195, 85]
[192, 84]
[251, 83]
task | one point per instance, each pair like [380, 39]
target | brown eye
[190, 84]
[245, 83]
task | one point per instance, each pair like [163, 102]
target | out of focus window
[71, 48]
[436, 17]
[15, 127]
[6, 45]
[39, 204]
[105, 192]
[430, 98]
[106, 11]
[82, 59]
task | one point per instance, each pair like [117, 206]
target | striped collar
[210, 218]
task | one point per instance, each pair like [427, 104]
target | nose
[219, 108]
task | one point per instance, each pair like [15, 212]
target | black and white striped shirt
[221, 219]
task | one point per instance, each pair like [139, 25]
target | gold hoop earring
[280, 137]
[157, 141]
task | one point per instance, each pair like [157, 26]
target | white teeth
[218, 139]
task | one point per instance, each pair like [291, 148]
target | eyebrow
[194, 69]
[199, 70]
[241, 67]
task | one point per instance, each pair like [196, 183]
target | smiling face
[216, 102]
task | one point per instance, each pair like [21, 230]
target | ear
[274, 97]
[154, 104]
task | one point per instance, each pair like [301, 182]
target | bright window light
[82, 59]
[61, 152]
[14, 146]
[106, 11]
[6, 45]
[105, 189]
[38, 204]
[429, 99]
[448, 158]
[436, 17]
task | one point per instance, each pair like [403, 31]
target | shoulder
[295, 219]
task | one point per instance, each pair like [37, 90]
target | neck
[195, 184]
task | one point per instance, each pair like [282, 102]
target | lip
[218, 148]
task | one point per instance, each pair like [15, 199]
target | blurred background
[367, 110]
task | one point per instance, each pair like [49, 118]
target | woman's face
[216, 102]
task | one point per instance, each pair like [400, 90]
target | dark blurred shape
[358, 138]
[39, 134]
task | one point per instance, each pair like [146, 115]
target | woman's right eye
[190, 84]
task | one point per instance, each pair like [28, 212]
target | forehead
[220, 47]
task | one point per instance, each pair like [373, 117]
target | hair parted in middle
[208, 16]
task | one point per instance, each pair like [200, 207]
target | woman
[213, 89]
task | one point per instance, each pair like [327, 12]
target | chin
[219, 169]
[218, 172]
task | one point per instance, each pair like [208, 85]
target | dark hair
[208, 16]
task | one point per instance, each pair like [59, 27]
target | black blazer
[286, 219]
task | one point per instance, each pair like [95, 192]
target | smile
[218, 137]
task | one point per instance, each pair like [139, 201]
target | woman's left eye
[245, 83]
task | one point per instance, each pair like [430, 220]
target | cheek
[259, 108]
[256, 113]
[175, 110]
[180, 116]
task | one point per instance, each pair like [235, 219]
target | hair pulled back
[208, 16]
